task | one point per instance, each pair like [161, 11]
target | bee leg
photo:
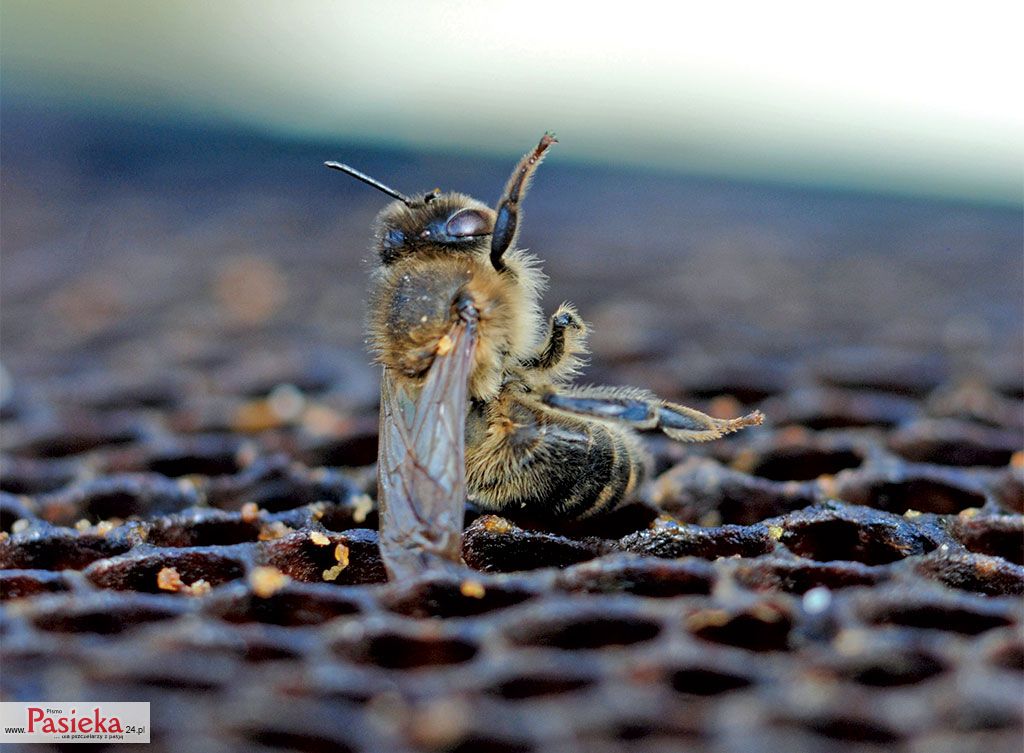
[565, 343]
[507, 221]
[642, 410]
[464, 308]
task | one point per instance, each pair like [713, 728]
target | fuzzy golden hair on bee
[411, 310]
[477, 397]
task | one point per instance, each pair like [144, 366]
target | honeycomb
[188, 507]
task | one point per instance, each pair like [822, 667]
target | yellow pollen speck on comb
[266, 581]
[341, 555]
[494, 524]
[274, 530]
[168, 580]
[362, 506]
[105, 526]
[319, 539]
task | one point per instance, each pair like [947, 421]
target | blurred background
[739, 187]
[906, 97]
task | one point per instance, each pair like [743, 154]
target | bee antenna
[370, 182]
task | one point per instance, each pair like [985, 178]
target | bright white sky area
[911, 97]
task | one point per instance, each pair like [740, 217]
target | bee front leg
[643, 410]
[566, 341]
[507, 220]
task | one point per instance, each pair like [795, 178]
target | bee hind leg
[643, 410]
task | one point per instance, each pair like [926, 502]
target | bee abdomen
[614, 468]
[566, 470]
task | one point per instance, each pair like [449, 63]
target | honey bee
[477, 397]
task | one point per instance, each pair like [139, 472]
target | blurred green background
[910, 97]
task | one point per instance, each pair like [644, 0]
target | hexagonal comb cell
[205, 528]
[527, 687]
[825, 409]
[142, 572]
[76, 440]
[964, 616]
[18, 584]
[940, 495]
[453, 598]
[116, 497]
[101, 616]
[210, 455]
[585, 632]
[58, 549]
[704, 681]
[293, 605]
[893, 669]
[805, 463]
[800, 576]
[841, 728]
[656, 578]
[995, 535]
[762, 627]
[276, 484]
[402, 652]
[26, 476]
[493, 544]
[850, 534]
[347, 558]
[701, 490]
[955, 443]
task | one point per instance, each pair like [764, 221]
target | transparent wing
[421, 468]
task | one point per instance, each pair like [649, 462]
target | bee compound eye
[467, 223]
[393, 238]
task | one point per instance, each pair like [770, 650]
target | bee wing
[421, 468]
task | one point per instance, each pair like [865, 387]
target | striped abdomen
[550, 464]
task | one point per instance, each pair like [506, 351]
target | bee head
[452, 222]
[441, 223]
[433, 221]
